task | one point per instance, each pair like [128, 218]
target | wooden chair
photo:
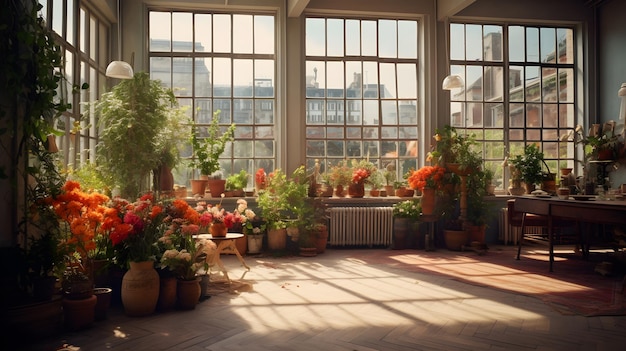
[522, 220]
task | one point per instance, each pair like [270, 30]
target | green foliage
[208, 150]
[407, 209]
[340, 174]
[285, 198]
[34, 91]
[139, 121]
[529, 164]
[479, 211]
[453, 147]
[237, 181]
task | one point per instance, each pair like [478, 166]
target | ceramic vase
[255, 243]
[427, 201]
[218, 229]
[79, 314]
[140, 289]
[167, 293]
[188, 293]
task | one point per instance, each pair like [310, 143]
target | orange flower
[427, 177]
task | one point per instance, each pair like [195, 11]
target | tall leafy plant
[208, 149]
[138, 122]
[33, 95]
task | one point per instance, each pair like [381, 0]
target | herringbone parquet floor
[341, 300]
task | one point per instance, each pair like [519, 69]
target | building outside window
[361, 91]
[519, 89]
[225, 62]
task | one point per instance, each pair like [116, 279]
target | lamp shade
[119, 69]
[452, 81]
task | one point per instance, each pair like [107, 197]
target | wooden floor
[337, 301]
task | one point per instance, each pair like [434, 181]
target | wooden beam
[295, 7]
[448, 8]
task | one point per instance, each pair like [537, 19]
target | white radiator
[360, 226]
[511, 234]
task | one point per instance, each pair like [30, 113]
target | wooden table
[589, 211]
[225, 244]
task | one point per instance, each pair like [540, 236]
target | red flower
[359, 175]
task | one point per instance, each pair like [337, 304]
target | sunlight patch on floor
[498, 276]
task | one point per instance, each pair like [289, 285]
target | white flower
[170, 254]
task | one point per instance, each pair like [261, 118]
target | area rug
[574, 286]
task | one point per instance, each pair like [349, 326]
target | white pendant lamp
[452, 81]
[119, 69]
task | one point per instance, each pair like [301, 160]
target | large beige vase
[140, 289]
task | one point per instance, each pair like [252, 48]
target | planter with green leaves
[33, 98]
[208, 149]
[140, 123]
[283, 200]
[529, 166]
[236, 183]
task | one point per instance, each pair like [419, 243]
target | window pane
[549, 84]
[264, 78]
[533, 88]
[315, 37]
[354, 112]
[474, 83]
[221, 77]
[565, 40]
[407, 39]
[334, 37]
[242, 78]
[457, 41]
[368, 38]
[202, 77]
[160, 31]
[354, 80]
[264, 34]
[353, 38]
[182, 33]
[532, 44]
[161, 69]
[242, 37]
[71, 26]
[202, 33]
[493, 84]
[516, 51]
[548, 45]
[388, 80]
[221, 33]
[566, 84]
[335, 79]
[493, 43]
[516, 79]
[182, 77]
[387, 38]
[390, 112]
[407, 81]
[370, 112]
[474, 42]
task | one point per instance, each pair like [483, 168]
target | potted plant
[281, 200]
[405, 223]
[429, 180]
[361, 172]
[34, 99]
[529, 166]
[235, 183]
[455, 151]
[207, 151]
[138, 133]
[376, 181]
[389, 175]
[340, 176]
[479, 211]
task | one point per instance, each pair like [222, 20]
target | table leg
[216, 260]
[551, 240]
